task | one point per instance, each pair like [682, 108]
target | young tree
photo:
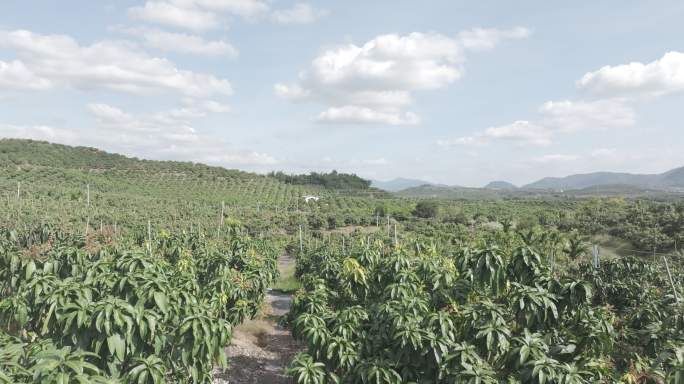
[426, 209]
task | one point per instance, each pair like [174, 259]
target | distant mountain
[398, 184]
[670, 179]
[501, 185]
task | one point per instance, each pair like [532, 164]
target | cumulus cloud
[162, 135]
[39, 132]
[15, 75]
[571, 116]
[195, 15]
[301, 13]
[180, 42]
[49, 61]
[555, 117]
[351, 114]
[488, 38]
[382, 74]
[169, 134]
[659, 77]
[519, 132]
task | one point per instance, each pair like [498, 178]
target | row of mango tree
[138, 309]
[490, 312]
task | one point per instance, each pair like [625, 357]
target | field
[123, 270]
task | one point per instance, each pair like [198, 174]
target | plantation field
[115, 269]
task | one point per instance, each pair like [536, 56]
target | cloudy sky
[456, 92]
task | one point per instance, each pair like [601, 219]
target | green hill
[53, 181]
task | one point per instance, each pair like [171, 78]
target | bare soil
[261, 349]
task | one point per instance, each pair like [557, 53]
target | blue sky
[447, 91]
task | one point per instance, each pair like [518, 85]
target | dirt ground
[261, 349]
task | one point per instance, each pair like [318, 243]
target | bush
[426, 209]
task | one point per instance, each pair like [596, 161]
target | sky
[453, 92]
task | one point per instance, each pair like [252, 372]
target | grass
[287, 283]
[612, 247]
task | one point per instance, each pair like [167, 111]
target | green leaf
[162, 301]
[30, 268]
[117, 346]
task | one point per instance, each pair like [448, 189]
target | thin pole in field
[301, 240]
[654, 245]
[88, 195]
[669, 274]
[149, 237]
[18, 190]
[395, 234]
[388, 225]
[223, 207]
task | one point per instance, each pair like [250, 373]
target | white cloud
[168, 135]
[59, 60]
[377, 78]
[216, 107]
[488, 38]
[180, 42]
[659, 77]
[301, 13]
[292, 92]
[195, 15]
[15, 75]
[167, 13]
[39, 132]
[556, 117]
[162, 135]
[571, 116]
[519, 132]
[351, 114]
[554, 158]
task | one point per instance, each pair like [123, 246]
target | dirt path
[261, 349]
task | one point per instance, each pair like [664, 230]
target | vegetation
[104, 309]
[491, 312]
[115, 269]
[332, 180]
[426, 209]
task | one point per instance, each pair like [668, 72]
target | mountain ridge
[673, 178]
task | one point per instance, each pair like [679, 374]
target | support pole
[669, 275]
